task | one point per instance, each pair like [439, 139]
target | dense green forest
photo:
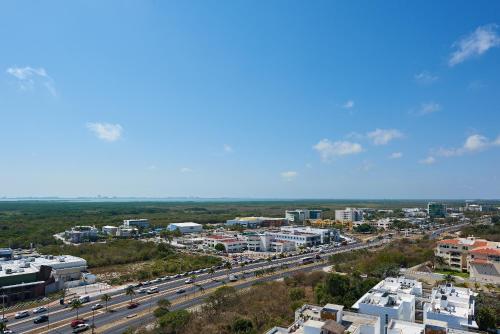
[26, 222]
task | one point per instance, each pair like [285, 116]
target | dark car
[132, 305]
[40, 319]
[180, 291]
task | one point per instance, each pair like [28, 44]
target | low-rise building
[139, 223]
[479, 257]
[255, 222]
[453, 305]
[299, 216]
[6, 253]
[126, 232]
[326, 235]
[79, 234]
[31, 277]
[185, 228]
[110, 230]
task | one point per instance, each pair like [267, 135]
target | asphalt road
[60, 317]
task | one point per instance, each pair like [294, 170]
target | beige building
[479, 257]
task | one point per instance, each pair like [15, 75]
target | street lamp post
[93, 323]
[48, 317]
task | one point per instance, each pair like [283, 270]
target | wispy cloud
[473, 144]
[28, 78]
[427, 108]
[425, 77]
[396, 155]
[475, 44]
[349, 104]
[329, 150]
[428, 161]
[106, 131]
[228, 148]
[186, 170]
[384, 136]
[289, 175]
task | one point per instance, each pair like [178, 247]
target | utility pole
[93, 324]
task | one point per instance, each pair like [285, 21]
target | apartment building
[79, 234]
[453, 305]
[479, 257]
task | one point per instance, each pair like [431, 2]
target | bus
[307, 259]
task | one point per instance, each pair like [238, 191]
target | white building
[126, 232]
[110, 230]
[301, 239]
[185, 228]
[452, 305]
[348, 215]
[326, 235]
[431, 327]
[254, 222]
[79, 234]
[392, 298]
[139, 223]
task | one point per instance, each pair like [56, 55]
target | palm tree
[106, 298]
[75, 304]
[211, 271]
[129, 291]
[228, 266]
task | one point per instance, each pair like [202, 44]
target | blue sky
[264, 99]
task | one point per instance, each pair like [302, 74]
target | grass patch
[453, 273]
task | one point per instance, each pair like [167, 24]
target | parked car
[22, 314]
[81, 328]
[76, 322]
[152, 290]
[40, 309]
[132, 305]
[97, 306]
[41, 319]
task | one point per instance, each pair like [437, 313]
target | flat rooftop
[32, 264]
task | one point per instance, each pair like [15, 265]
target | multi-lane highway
[119, 317]
[107, 322]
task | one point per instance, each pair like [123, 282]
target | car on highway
[3, 319]
[189, 281]
[97, 306]
[152, 290]
[132, 305]
[84, 299]
[143, 290]
[76, 322]
[8, 331]
[40, 309]
[81, 328]
[233, 278]
[155, 281]
[41, 319]
[21, 314]
[180, 291]
[178, 276]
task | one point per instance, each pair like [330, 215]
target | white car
[189, 281]
[81, 328]
[40, 309]
[22, 314]
[152, 290]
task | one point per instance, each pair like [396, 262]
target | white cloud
[349, 104]
[289, 175]
[396, 155]
[228, 148]
[106, 131]
[28, 77]
[429, 108]
[475, 44]
[328, 150]
[186, 170]
[425, 77]
[474, 143]
[384, 136]
[428, 161]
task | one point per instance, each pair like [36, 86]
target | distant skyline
[233, 99]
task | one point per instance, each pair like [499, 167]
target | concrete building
[392, 298]
[431, 327]
[110, 230]
[31, 277]
[301, 239]
[436, 210]
[479, 257]
[254, 222]
[282, 246]
[329, 319]
[326, 235]
[453, 305]
[139, 223]
[299, 216]
[79, 234]
[348, 215]
[185, 228]
[127, 232]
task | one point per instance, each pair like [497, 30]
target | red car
[77, 322]
[132, 305]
